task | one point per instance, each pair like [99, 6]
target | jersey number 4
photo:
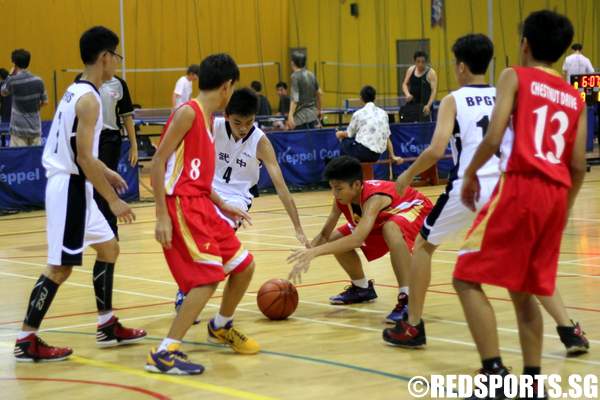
[227, 175]
[558, 137]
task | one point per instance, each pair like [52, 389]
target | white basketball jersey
[60, 152]
[474, 106]
[237, 167]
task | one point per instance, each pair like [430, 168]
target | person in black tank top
[420, 88]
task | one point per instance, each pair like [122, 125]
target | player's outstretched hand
[402, 182]
[301, 259]
[163, 231]
[470, 191]
[237, 214]
[116, 181]
[122, 211]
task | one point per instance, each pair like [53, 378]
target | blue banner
[302, 154]
[23, 178]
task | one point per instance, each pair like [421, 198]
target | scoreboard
[588, 86]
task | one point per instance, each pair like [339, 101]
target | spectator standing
[5, 102]
[305, 105]
[264, 107]
[28, 96]
[576, 63]
[284, 99]
[420, 89]
[183, 88]
[368, 134]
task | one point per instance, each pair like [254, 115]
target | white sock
[164, 345]
[404, 289]
[220, 321]
[24, 334]
[361, 283]
[104, 318]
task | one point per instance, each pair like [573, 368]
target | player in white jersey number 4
[241, 148]
[463, 118]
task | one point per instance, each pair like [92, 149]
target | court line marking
[344, 325]
[207, 387]
[131, 388]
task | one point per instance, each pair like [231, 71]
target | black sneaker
[573, 337]
[353, 294]
[499, 395]
[406, 335]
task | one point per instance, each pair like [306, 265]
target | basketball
[277, 299]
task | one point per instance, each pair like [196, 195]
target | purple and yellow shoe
[171, 362]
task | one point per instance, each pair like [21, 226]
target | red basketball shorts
[204, 248]
[515, 239]
[409, 221]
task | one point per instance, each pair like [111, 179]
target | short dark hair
[256, 85]
[420, 53]
[217, 69]
[3, 73]
[475, 50]
[193, 69]
[577, 47]
[299, 59]
[345, 169]
[549, 34]
[281, 84]
[367, 93]
[243, 102]
[94, 41]
[21, 58]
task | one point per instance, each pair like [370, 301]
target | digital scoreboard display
[588, 86]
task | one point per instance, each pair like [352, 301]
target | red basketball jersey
[191, 167]
[543, 128]
[407, 205]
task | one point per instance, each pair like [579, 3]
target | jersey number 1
[558, 137]
[483, 124]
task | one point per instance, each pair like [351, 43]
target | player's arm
[578, 163]
[433, 81]
[405, 90]
[266, 154]
[87, 110]
[330, 223]
[301, 258]
[506, 90]
[180, 124]
[436, 149]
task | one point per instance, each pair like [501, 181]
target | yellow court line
[208, 387]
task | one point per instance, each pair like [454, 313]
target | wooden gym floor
[322, 352]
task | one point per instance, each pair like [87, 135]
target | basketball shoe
[112, 333]
[499, 393]
[171, 362]
[573, 337]
[230, 336]
[353, 294]
[400, 312]
[34, 349]
[406, 335]
[179, 297]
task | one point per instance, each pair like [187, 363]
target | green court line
[276, 354]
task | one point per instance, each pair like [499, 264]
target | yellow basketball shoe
[229, 336]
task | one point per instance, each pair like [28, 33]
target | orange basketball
[277, 299]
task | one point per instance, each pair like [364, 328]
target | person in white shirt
[183, 87]
[576, 63]
[368, 134]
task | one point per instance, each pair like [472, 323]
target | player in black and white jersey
[73, 219]
[241, 149]
[463, 119]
